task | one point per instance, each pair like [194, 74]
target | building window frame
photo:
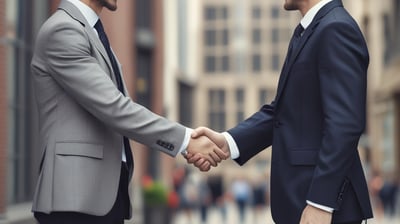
[216, 110]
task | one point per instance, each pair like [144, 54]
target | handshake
[206, 148]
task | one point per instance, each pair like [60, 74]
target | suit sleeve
[254, 134]
[342, 67]
[68, 53]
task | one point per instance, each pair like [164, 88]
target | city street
[215, 217]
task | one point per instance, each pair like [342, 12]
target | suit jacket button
[340, 198]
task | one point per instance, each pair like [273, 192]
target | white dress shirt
[92, 18]
[305, 22]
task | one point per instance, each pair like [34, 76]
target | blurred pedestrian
[241, 192]
[204, 199]
[375, 186]
[260, 197]
[388, 195]
[189, 194]
[218, 197]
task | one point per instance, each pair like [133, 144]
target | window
[225, 63]
[263, 97]
[225, 13]
[143, 10]
[217, 115]
[225, 37]
[397, 28]
[210, 13]
[256, 36]
[275, 12]
[186, 103]
[388, 44]
[275, 35]
[256, 12]
[256, 63]
[210, 64]
[210, 37]
[216, 39]
[239, 105]
[275, 62]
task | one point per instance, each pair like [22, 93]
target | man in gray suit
[86, 118]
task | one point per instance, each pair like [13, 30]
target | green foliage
[155, 194]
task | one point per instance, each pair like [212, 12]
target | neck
[93, 4]
[307, 5]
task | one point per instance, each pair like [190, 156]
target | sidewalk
[214, 217]
[393, 220]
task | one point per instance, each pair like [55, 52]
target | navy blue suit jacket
[315, 122]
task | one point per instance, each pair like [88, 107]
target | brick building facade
[136, 34]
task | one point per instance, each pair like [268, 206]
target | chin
[290, 7]
[110, 4]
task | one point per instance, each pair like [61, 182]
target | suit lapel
[71, 10]
[307, 33]
[288, 64]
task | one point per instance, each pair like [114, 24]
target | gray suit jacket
[83, 117]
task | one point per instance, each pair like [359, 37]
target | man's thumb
[200, 131]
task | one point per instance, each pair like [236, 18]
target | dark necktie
[103, 38]
[294, 42]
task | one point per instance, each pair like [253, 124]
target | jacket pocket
[303, 156]
[79, 149]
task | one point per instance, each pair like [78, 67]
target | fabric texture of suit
[83, 118]
[315, 122]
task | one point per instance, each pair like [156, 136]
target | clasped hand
[206, 148]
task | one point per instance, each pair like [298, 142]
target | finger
[194, 158]
[215, 157]
[188, 156]
[205, 167]
[211, 160]
[221, 154]
[200, 162]
[198, 132]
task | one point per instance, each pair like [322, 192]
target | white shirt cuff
[186, 140]
[322, 207]
[233, 148]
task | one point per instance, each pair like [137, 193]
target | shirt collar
[309, 16]
[87, 12]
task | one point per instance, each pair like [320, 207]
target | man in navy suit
[314, 123]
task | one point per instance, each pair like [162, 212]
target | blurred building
[19, 161]
[203, 63]
[225, 59]
[3, 118]
[382, 28]
[136, 34]
[380, 23]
